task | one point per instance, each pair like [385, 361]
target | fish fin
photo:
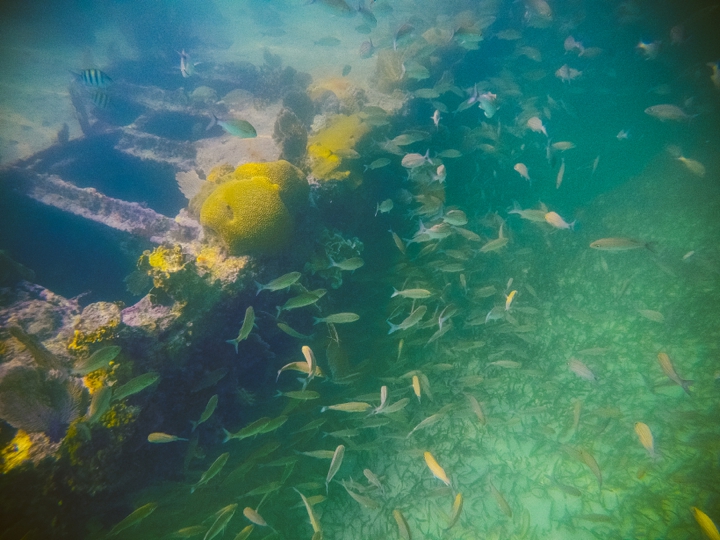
[212, 122]
[234, 343]
[228, 436]
[572, 225]
[259, 288]
[686, 385]
[194, 425]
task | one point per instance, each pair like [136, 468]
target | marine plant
[332, 146]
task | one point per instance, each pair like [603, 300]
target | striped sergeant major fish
[93, 78]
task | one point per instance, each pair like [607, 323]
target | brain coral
[248, 215]
[294, 189]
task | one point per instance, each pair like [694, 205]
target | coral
[328, 146]
[16, 452]
[248, 215]
[98, 322]
[294, 189]
[388, 70]
[220, 173]
[291, 135]
[36, 402]
[213, 261]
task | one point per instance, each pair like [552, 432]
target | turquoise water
[537, 357]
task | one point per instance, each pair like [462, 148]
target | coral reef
[332, 146]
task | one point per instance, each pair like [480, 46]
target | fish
[618, 244]
[538, 216]
[94, 78]
[589, 460]
[237, 127]
[536, 125]
[715, 75]
[379, 163]
[455, 512]
[509, 299]
[416, 387]
[403, 527]
[245, 533]
[560, 174]
[436, 119]
[415, 294]
[212, 471]
[395, 407]
[475, 406]
[409, 137]
[335, 465]
[500, 500]
[366, 49]
[667, 111]
[134, 518]
[581, 370]
[207, 413]
[320, 454]
[98, 360]
[653, 315]
[507, 364]
[398, 241]
[487, 102]
[450, 153]
[348, 265]
[706, 524]
[99, 404]
[695, 167]
[571, 44]
[567, 74]
[187, 68]
[412, 161]
[159, 438]
[277, 284]
[522, 170]
[562, 146]
[496, 244]
[337, 318]
[669, 370]
[245, 329]
[456, 218]
[189, 532]
[430, 420]
[411, 320]
[554, 219]
[302, 395]
[384, 207]
[314, 523]
[646, 438]
[328, 41]
[254, 517]
[436, 469]
[351, 406]
[649, 50]
[135, 385]
[224, 515]
[302, 300]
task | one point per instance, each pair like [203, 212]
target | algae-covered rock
[248, 215]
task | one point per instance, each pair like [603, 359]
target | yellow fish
[416, 386]
[509, 299]
[646, 437]
[436, 469]
[706, 524]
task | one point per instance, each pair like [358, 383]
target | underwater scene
[360, 270]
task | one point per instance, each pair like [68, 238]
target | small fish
[475, 406]
[245, 533]
[653, 315]
[416, 387]
[412, 161]
[581, 370]
[440, 173]
[500, 500]
[94, 78]
[409, 138]
[509, 299]
[384, 207]
[487, 102]
[346, 70]
[695, 167]
[135, 385]
[99, 404]
[398, 241]
[338, 318]
[245, 329]
[403, 527]
[646, 438]
[536, 125]
[314, 523]
[351, 406]
[328, 41]
[715, 75]
[254, 517]
[301, 395]
[134, 518]
[236, 127]
[669, 370]
[348, 265]
[507, 364]
[455, 512]
[187, 68]
[496, 244]
[207, 413]
[395, 407]
[589, 460]
[335, 465]
[159, 438]
[212, 471]
[98, 360]
[623, 135]
[562, 146]
[436, 119]
[436, 469]
[706, 524]
[450, 153]
[560, 174]
[189, 532]
[277, 284]
[379, 163]
[618, 244]
[291, 332]
[522, 170]
[415, 294]
[411, 320]
[302, 300]
[366, 49]
[224, 515]
[571, 44]
[554, 219]
[567, 74]
[649, 50]
[666, 111]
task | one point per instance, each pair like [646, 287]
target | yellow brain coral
[294, 189]
[248, 215]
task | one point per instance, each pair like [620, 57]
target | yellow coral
[294, 189]
[17, 451]
[167, 260]
[118, 415]
[326, 147]
[248, 215]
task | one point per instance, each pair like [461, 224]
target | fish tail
[194, 425]
[212, 122]
[651, 247]
[228, 436]
[686, 385]
[572, 225]
[259, 288]
[317, 320]
[234, 343]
